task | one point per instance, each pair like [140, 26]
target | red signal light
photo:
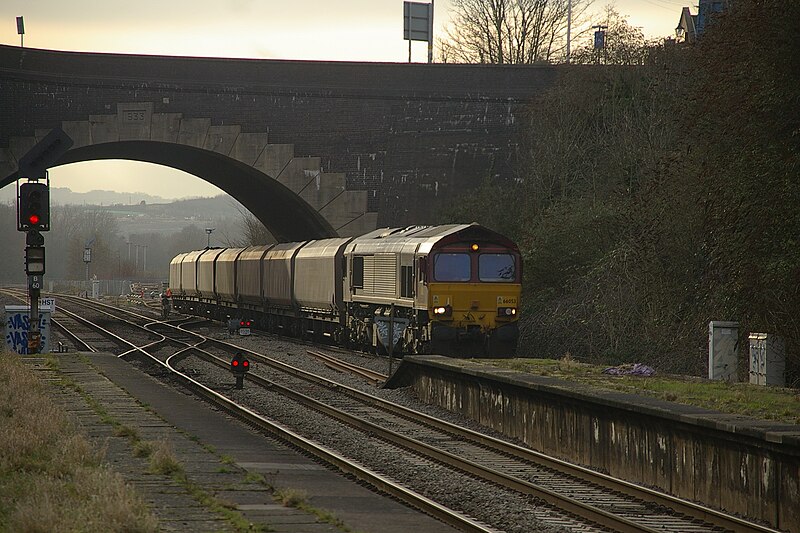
[241, 322]
[235, 362]
[34, 219]
[245, 363]
[248, 323]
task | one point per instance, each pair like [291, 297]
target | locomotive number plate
[506, 300]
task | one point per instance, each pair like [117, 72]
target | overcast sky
[347, 30]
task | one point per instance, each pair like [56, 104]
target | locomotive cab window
[451, 267]
[497, 267]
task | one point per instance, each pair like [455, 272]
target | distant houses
[690, 27]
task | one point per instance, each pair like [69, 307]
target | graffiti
[17, 327]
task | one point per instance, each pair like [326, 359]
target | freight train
[450, 289]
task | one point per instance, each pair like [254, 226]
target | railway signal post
[240, 366]
[33, 217]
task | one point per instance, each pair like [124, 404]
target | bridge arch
[411, 138]
[292, 196]
[287, 216]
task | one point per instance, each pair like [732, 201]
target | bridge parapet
[415, 137]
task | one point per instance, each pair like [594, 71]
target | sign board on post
[18, 325]
[47, 304]
[382, 327]
[416, 21]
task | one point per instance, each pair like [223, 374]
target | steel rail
[322, 452]
[375, 479]
[559, 501]
[374, 377]
[680, 506]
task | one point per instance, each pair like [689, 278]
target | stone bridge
[312, 149]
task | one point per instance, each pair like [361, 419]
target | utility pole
[569, 28]
[430, 36]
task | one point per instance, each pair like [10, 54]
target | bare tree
[508, 31]
[252, 232]
[624, 44]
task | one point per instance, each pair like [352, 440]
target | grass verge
[757, 401]
[51, 479]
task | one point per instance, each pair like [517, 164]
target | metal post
[569, 27]
[21, 31]
[34, 335]
[391, 338]
[144, 260]
[430, 37]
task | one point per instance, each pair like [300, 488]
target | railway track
[573, 497]
[165, 359]
[599, 499]
[376, 378]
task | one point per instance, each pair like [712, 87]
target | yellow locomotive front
[474, 296]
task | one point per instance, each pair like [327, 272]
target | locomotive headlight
[443, 311]
[507, 312]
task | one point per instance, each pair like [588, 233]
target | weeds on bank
[163, 461]
[756, 401]
[298, 499]
[50, 475]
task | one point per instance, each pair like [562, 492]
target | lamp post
[208, 232]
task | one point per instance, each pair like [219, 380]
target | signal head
[34, 207]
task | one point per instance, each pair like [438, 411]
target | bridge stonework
[362, 143]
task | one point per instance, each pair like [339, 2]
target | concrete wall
[741, 465]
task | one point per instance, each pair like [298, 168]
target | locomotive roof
[428, 236]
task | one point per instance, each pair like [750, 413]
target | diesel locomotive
[450, 289]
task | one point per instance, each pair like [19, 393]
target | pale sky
[347, 30]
